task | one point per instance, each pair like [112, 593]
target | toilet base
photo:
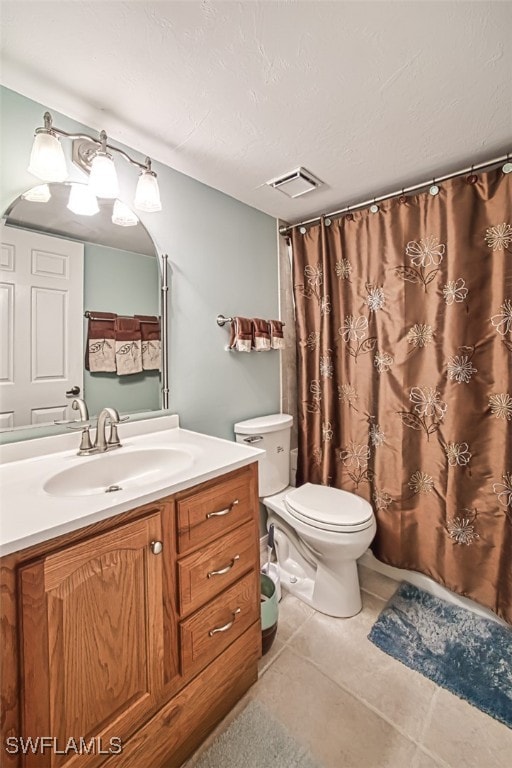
[335, 595]
[316, 566]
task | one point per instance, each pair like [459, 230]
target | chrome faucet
[80, 405]
[101, 444]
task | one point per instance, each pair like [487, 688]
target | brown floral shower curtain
[404, 328]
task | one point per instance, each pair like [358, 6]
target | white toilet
[319, 531]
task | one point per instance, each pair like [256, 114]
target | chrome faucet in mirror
[80, 405]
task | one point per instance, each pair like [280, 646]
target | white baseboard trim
[429, 585]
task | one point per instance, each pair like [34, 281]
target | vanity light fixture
[82, 200]
[95, 157]
[147, 196]
[39, 194]
[123, 216]
[47, 161]
[103, 176]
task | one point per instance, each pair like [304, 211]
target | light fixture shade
[103, 179]
[47, 161]
[82, 201]
[147, 195]
[39, 194]
[123, 216]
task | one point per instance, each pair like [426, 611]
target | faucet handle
[85, 443]
[75, 425]
[113, 440]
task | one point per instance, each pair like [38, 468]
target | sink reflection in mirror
[119, 471]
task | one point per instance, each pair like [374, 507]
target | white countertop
[29, 515]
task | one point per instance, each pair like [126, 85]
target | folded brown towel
[261, 334]
[100, 355]
[276, 334]
[151, 342]
[128, 346]
[241, 334]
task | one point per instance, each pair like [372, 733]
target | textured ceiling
[369, 96]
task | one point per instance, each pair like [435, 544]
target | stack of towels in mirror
[122, 345]
[249, 334]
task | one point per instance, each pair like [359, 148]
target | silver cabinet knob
[156, 547]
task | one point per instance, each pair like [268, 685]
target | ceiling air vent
[296, 183]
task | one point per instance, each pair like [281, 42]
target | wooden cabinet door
[92, 642]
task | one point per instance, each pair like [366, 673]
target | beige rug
[255, 739]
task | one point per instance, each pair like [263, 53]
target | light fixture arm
[100, 143]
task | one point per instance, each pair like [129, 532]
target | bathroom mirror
[114, 269]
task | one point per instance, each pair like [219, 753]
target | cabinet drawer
[206, 514]
[183, 723]
[210, 630]
[205, 573]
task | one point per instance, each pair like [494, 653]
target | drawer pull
[222, 571]
[223, 512]
[227, 626]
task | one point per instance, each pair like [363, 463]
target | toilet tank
[272, 434]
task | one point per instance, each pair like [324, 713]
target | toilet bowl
[319, 531]
[317, 554]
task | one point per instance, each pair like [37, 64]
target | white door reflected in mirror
[41, 293]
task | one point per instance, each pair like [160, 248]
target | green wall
[222, 259]
[126, 283]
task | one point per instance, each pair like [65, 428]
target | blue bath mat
[465, 653]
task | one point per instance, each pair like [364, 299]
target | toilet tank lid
[264, 424]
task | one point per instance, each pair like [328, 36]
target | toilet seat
[329, 509]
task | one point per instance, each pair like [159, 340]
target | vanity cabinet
[92, 636]
[133, 637]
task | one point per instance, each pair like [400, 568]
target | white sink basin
[119, 471]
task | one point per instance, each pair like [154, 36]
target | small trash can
[272, 570]
[269, 612]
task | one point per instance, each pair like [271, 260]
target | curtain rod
[403, 191]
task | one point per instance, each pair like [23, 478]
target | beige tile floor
[353, 706]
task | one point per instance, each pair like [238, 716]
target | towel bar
[90, 316]
[221, 320]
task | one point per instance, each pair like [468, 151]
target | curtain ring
[349, 216]
[434, 189]
[402, 199]
[374, 208]
[507, 167]
[472, 178]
